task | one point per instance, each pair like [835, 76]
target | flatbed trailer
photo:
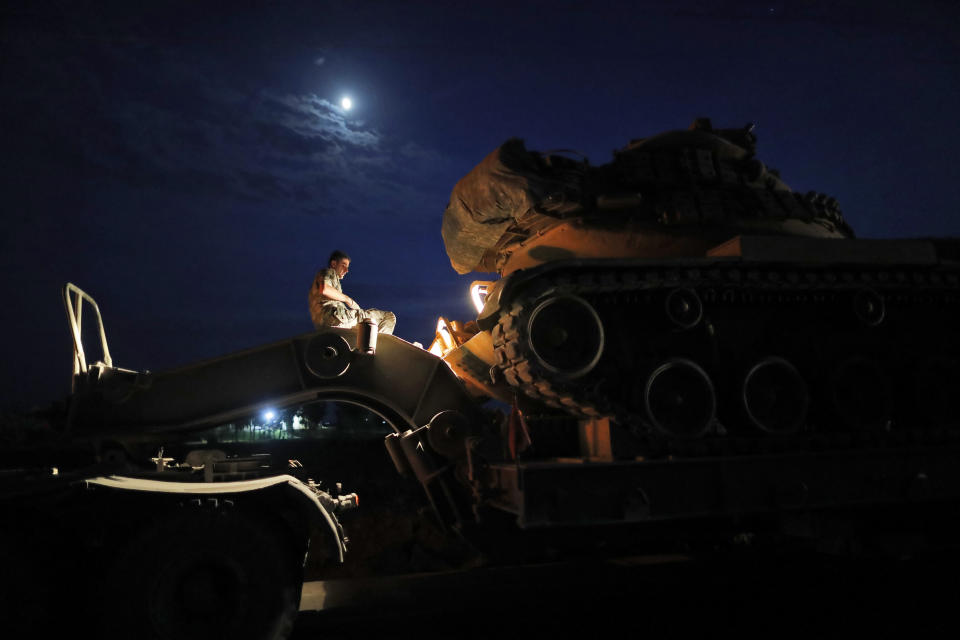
[182, 544]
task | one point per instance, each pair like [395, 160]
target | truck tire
[204, 573]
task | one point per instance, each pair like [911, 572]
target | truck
[678, 348]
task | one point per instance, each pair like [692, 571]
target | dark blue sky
[189, 167]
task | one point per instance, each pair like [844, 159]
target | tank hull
[762, 335]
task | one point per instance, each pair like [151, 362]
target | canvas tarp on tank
[505, 186]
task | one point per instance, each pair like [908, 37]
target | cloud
[298, 151]
[307, 142]
[199, 127]
[312, 116]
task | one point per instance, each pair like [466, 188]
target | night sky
[191, 168]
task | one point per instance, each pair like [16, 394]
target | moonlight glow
[346, 103]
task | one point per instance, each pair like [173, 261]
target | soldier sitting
[331, 307]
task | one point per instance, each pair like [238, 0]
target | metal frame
[577, 492]
[75, 318]
[124, 483]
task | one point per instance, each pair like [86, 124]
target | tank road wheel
[542, 351]
[679, 398]
[204, 573]
[566, 336]
[775, 396]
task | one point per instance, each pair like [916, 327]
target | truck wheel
[204, 573]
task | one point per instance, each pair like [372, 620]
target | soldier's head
[339, 262]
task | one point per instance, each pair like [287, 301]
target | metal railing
[73, 299]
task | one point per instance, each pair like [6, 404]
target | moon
[346, 103]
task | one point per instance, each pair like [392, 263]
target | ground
[773, 593]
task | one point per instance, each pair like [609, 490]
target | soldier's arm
[331, 293]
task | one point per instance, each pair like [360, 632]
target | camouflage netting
[505, 186]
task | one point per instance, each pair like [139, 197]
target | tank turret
[675, 194]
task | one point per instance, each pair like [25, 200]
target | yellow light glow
[478, 293]
[346, 103]
[443, 332]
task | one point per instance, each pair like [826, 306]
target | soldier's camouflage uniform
[333, 313]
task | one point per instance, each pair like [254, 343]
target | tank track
[804, 314]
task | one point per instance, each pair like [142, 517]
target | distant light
[347, 104]
[269, 415]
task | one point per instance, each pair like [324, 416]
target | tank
[685, 292]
